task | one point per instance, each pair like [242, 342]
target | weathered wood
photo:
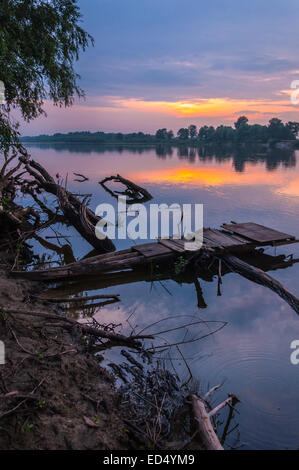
[220, 239]
[78, 214]
[258, 233]
[260, 277]
[152, 249]
[137, 193]
[173, 246]
[103, 281]
[205, 432]
[163, 251]
[94, 267]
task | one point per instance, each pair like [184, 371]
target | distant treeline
[276, 130]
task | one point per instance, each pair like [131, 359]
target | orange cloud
[213, 107]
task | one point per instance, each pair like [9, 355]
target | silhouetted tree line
[93, 137]
[242, 132]
[276, 130]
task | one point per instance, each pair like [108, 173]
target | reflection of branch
[83, 178]
[93, 307]
[226, 430]
[166, 346]
[49, 212]
[65, 250]
[81, 299]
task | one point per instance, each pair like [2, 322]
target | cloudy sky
[171, 63]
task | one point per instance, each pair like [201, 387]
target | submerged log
[260, 277]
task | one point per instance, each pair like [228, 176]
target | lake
[251, 354]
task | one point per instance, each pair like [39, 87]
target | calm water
[252, 352]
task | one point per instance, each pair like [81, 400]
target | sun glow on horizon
[210, 107]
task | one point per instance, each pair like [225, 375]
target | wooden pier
[232, 238]
[228, 245]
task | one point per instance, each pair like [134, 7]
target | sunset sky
[171, 63]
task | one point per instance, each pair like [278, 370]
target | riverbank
[54, 394]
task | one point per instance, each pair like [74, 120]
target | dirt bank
[54, 394]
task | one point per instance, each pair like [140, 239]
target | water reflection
[155, 274]
[239, 155]
[253, 351]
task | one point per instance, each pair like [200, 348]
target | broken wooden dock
[227, 244]
[232, 238]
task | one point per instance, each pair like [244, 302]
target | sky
[171, 63]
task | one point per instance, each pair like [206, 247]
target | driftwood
[204, 430]
[125, 259]
[68, 323]
[76, 213]
[91, 283]
[260, 277]
[136, 193]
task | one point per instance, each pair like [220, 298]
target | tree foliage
[40, 40]
[242, 132]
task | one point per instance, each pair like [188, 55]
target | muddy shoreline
[54, 394]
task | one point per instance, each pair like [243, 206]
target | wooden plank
[238, 237]
[228, 239]
[180, 243]
[258, 233]
[208, 243]
[173, 246]
[219, 239]
[152, 249]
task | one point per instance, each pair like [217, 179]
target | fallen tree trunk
[260, 277]
[77, 214]
[205, 433]
[121, 260]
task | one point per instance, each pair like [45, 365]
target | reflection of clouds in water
[138, 315]
[253, 351]
[256, 365]
[108, 315]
